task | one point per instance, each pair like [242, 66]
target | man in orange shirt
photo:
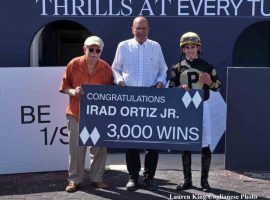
[86, 69]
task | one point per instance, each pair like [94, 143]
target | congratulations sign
[136, 117]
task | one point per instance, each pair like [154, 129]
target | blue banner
[141, 117]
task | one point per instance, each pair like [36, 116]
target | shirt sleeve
[117, 65]
[162, 73]
[66, 81]
[174, 77]
[215, 86]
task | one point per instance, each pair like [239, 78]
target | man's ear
[84, 49]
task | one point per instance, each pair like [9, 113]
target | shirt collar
[192, 59]
[85, 63]
[137, 44]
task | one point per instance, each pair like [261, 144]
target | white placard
[33, 132]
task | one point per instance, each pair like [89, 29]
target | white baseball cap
[94, 40]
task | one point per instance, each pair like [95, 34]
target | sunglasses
[91, 50]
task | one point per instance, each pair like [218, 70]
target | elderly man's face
[140, 29]
[92, 52]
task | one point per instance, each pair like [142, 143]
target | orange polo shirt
[76, 74]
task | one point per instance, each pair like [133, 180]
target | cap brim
[190, 42]
[94, 43]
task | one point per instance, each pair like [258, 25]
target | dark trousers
[134, 163]
[206, 152]
[205, 161]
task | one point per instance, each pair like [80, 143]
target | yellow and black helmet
[190, 38]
